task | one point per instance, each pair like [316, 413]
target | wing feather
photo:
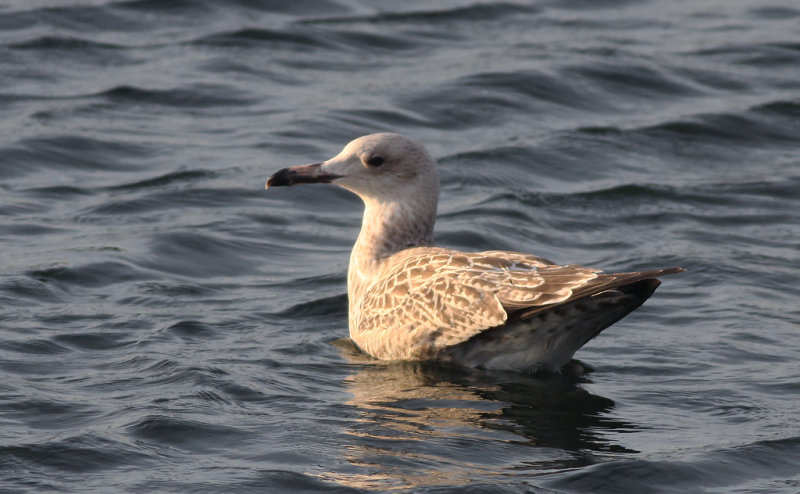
[432, 298]
[429, 298]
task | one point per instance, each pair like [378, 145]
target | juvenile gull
[410, 300]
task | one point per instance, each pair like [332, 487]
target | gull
[411, 300]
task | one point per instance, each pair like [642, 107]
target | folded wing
[428, 299]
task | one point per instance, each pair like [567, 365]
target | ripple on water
[272, 39]
[190, 330]
[201, 256]
[50, 415]
[106, 340]
[172, 178]
[713, 470]
[95, 275]
[729, 129]
[776, 12]
[630, 80]
[35, 347]
[87, 53]
[168, 199]
[541, 90]
[186, 434]
[188, 96]
[72, 152]
[26, 291]
[327, 306]
[84, 453]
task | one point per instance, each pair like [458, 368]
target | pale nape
[410, 300]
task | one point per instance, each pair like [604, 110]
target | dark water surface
[168, 326]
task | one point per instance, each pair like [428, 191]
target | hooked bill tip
[284, 177]
[303, 174]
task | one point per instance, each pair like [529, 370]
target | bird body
[410, 300]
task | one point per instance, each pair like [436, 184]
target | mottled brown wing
[430, 298]
[517, 258]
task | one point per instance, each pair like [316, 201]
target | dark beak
[303, 174]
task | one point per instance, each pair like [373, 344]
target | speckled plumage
[410, 300]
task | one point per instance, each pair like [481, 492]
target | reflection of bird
[412, 301]
[414, 425]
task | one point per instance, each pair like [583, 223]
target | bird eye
[375, 161]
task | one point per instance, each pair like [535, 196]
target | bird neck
[387, 227]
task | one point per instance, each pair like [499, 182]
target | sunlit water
[168, 326]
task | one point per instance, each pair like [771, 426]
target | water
[168, 326]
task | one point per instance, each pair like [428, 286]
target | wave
[71, 152]
[481, 12]
[724, 468]
[191, 96]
